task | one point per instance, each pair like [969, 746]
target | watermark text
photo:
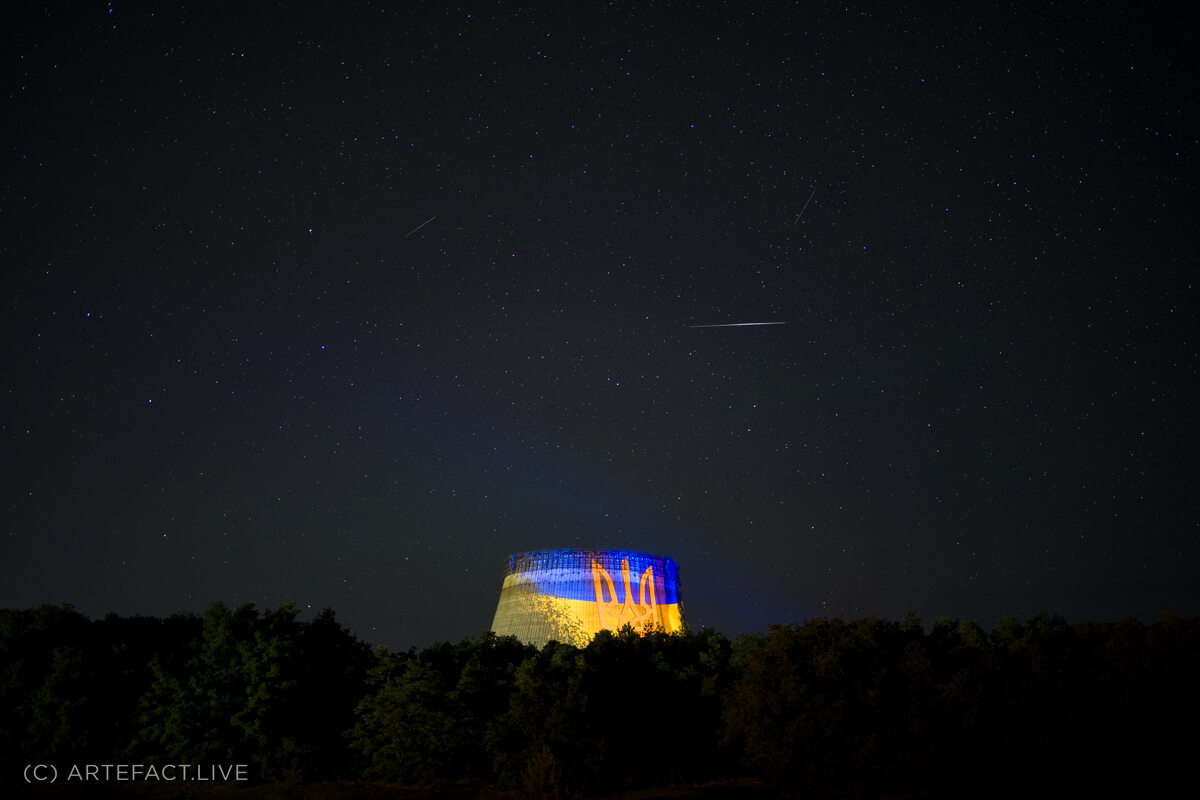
[82, 773]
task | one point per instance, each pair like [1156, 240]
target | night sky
[341, 305]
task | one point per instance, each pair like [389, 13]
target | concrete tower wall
[569, 595]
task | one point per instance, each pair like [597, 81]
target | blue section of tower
[568, 573]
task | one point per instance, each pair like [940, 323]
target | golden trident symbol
[642, 614]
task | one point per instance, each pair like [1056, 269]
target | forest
[866, 708]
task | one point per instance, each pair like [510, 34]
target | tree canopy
[865, 707]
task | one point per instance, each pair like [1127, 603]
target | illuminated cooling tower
[569, 595]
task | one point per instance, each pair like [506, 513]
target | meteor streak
[806, 202]
[422, 225]
[736, 324]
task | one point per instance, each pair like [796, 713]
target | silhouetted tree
[427, 714]
[828, 705]
[549, 729]
[865, 707]
[43, 702]
[330, 670]
[230, 702]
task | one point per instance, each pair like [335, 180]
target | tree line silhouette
[865, 707]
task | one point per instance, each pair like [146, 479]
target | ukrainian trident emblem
[641, 615]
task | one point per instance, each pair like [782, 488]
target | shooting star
[806, 202]
[736, 324]
[422, 225]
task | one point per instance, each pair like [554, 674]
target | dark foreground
[366, 790]
[870, 708]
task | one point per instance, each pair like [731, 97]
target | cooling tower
[569, 595]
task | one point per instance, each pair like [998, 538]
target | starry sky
[342, 303]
